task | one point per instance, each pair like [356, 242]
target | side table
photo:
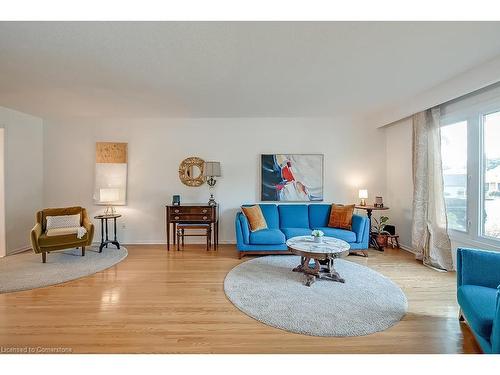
[373, 236]
[104, 227]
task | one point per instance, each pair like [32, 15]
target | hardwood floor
[173, 302]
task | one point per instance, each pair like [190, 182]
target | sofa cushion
[63, 221]
[267, 237]
[42, 215]
[270, 212]
[478, 304]
[255, 217]
[294, 232]
[341, 234]
[67, 239]
[319, 215]
[294, 216]
[341, 216]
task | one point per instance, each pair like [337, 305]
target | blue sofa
[289, 220]
[478, 294]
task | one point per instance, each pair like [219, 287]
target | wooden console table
[192, 214]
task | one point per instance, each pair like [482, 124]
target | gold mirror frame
[184, 171]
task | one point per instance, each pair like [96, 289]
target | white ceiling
[231, 69]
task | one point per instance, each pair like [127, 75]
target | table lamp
[109, 196]
[211, 169]
[363, 195]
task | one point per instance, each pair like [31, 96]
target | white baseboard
[19, 250]
[407, 248]
[163, 242]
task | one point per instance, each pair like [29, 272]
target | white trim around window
[472, 109]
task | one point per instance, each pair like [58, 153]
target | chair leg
[83, 251]
[183, 238]
[178, 234]
[44, 257]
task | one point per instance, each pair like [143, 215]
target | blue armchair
[478, 294]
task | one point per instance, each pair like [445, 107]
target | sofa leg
[240, 254]
[460, 316]
[83, 251]
[44, 257]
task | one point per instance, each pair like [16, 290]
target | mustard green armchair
[44, 244]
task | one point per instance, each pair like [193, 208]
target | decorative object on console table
[363, 195]
[104, 231]
[211, 170]
[194, 213]
[369, 209]
[379, 202]
[176, 200]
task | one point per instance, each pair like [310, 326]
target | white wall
[156, 147]
[464, 83]
[3, 249]
[399, 180]
[23, 175]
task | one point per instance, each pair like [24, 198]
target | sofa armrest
[88, 225]
[242, 229]
[36, 232]
[495, 334]
[359, 226]
[478, 267]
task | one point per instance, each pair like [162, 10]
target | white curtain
[430, 227]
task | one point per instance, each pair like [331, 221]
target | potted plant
[378, 229]
[317, 235]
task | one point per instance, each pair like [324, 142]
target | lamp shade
[363, 194]
[212, 169]
[109, 195]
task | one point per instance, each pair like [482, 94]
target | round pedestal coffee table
[322, 253]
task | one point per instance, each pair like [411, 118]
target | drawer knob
[205, 211]
[176, 218]
[176, 211]
[205, 217]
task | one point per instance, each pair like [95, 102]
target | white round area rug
[266, 289]
[26, 270]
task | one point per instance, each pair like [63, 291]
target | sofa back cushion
[270, 212]
[294, 216]
[255, 218]
[341, 216]
[319, 215]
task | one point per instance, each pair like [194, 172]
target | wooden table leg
[168, 236]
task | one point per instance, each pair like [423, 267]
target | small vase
[318, 239]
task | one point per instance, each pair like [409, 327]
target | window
[491, 176]
[470, 153]
[454, 161]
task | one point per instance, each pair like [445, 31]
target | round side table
[104, 227]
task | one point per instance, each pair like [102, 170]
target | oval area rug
[267, 290]
[26, 271]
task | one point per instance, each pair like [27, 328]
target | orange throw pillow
[255, 218]
[341, 216]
